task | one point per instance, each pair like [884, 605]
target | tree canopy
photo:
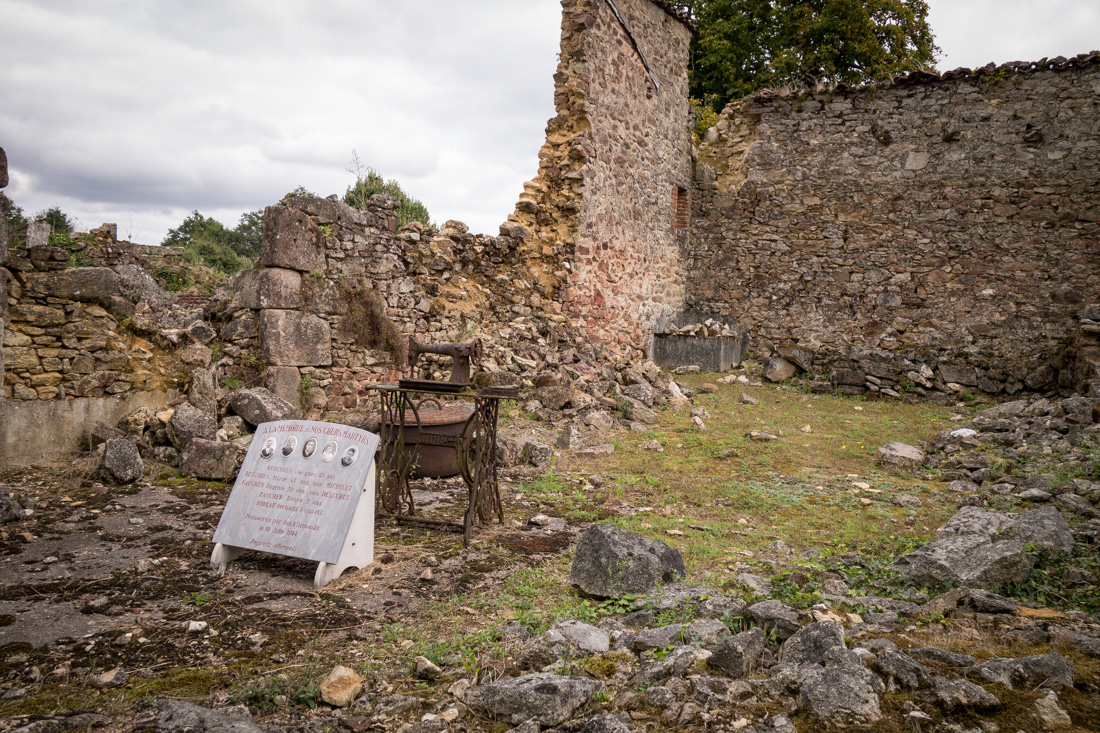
[368, 182]
[208, 242]
[59, 221]
[747, 45]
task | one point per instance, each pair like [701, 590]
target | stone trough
[713, 347]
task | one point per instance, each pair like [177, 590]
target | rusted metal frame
[395, 461]
[476, 458]
[634, 43]
[480, 468]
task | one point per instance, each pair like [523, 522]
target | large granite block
[291, 338]
[271, 287]
[291, 240]
[84, 284]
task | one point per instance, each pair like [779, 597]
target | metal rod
[634, 43]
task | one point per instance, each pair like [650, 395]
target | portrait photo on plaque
[309, 447]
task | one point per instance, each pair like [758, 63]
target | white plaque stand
[357, 552]
[294, 501]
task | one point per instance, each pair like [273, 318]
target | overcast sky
[138, 112]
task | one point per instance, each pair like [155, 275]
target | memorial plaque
[298, 490]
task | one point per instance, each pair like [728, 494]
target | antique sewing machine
[463, 357]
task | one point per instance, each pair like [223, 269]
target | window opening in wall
[681, 209]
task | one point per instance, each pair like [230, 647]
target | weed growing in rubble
[1065, 580]
[197, 599]
[366, 322]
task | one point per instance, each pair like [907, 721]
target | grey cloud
[166, 107]
[139, 112]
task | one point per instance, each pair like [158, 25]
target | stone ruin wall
[78, 344]
[319, 255]
[602, 207]
[951, 224]
[940, 232]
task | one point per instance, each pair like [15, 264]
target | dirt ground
[98, 578]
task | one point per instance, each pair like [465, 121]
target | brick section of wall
[681, 209]
[953, 223]
[600, 209]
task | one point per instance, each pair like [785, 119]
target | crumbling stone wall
[602, 213]
[5, 278]
[65, 339]
[320, 256]
[78, 343]
[934, 231]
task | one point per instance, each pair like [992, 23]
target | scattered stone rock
[762, 435]
[966, 560]
[555, 398]
[537, 454]
[10, 510]
[944, 603]
[706, 632]
[1078, 505]
[595, 724]
[548, 699]
[909, 673]
[600, 420]
[778, 369]
[841, 696]
[174, 716]
[759, 585]
[603, 449]
[747, 399]
[657, 638]
[944, 657]
[986, 602]
[641, 392]
[738, 656]
[203, 391]
[985, 549]
[426, 669]
[676, 663]
[637, 412]
[121, 462]
[611, 563]
[961, 696]
[581, 636]
[570, 438]
[212, 460]
[341, 687]
[101, 432]
[259, 405]
[775, 615]
[189, 422]
[116, 677]
[1051, 713]
[900, 455]
[1049, 671]
[810, 644]
[698, 600]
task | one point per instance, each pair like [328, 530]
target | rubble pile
[709, 328]
[1025, 452]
